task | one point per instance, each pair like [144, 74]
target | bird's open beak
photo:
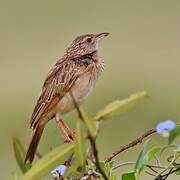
[102, 35]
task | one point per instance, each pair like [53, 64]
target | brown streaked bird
[75, 73]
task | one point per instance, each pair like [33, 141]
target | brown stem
[171, 172]
[131, 144]
[95, 153]
[92, 140]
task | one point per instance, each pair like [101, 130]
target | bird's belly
[81, 89]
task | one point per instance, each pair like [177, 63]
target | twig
[152, 169]
[176, 156]
[147, 165]
[95, 153]
[123, 164]
[91, 139]
[171, 172]
[165, 176]
[157, 167]
[131, 144]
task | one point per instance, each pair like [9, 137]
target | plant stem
[147, 165]
[176, 156]
[131, 144]
[91, 139]
[95, 153]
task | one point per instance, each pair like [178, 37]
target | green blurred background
[142, 53]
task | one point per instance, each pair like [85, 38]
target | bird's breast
[80, 90]
[83, 87]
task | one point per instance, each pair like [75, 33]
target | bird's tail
[34, 143]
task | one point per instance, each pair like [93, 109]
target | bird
[73, 76]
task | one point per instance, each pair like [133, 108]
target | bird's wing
[59, 81]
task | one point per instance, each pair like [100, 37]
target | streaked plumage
[77, 71]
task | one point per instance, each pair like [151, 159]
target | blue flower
[59, 171]
[165, 127]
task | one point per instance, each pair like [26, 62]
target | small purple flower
[164, 127]
[59, 171]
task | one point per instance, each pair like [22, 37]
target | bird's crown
[85, 44]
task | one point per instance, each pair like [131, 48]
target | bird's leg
[67, 133]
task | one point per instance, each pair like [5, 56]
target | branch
[176, 156]
[91, 139]
[172, 171]
[147, 165]
[130, 145]
[95, 153]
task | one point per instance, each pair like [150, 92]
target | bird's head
[85, 44]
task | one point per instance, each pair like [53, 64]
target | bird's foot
[70, 137]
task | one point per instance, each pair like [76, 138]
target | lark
[73, 77]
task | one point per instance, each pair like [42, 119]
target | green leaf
[80, 146]
[109, 167]
[151, 154]
[120, 106]
[80, 152]
[19, 153]
[112, 176]
[142, 159]
[129, 176]
[110, 164]
[90, 124]
[103, 165]
[51, 160]
[89, 165]
[173, 134]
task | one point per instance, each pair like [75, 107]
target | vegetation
[80, 159]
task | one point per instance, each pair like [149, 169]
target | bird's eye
[89, 40]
